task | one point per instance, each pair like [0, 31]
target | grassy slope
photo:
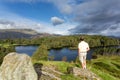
[60, 66]
[5, 45]
[108, 68]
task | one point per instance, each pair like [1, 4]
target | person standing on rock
[83, 47]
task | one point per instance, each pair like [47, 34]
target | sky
[93, 17]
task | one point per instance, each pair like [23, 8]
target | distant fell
[21, 33]
[25, 31]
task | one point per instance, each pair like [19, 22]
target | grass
[58, 65]
[5, 45]
[103, 75]
[70, 77]
[106, 67]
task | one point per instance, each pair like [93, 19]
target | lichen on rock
[17, 67]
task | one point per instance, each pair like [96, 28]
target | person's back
[83, 46]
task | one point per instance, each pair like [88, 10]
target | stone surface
[83, 73]
[47, 73]
[17, 67]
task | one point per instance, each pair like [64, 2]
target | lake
[68, 53]
[59, 54]
[26, 49]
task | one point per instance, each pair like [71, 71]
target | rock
[17, 67]
[83, 73]
[51, 73]
[38, 69]
[94, 57]
[49, 76]
[70, 70]
[47, 73]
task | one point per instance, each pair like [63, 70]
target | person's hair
[81, 38]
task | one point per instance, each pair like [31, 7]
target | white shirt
[83, 46]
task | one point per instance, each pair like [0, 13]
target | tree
[41, 53]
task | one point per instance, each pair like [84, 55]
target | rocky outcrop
[47, 73]
[17, 67]
[83, 73]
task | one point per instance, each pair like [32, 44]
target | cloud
[27, 1]
[41, 27]
[64, 6]
[91, 16]
[14, 21]
[56, 21]
[98, 17]
[11, 24]
[9, 20]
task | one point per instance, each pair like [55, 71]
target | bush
[4, 51]
[41, 53]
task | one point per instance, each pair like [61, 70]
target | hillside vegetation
[72, 43]
[4, 50]
[106, 67]
[65, 41]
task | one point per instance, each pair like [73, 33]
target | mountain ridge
[26, 31]
[21, 33]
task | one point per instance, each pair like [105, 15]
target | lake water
[68, 53]
[26, 49]
[56, 54]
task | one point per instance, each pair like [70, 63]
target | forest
[46, 43]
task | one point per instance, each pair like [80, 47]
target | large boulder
[83, 73]
[47, 73]
[17, 67]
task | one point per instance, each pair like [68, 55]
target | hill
[20, 33]
[102, 68]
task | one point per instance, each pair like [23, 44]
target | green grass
[58, 65]
[106, 67]
[5, 45]
[103, 75]
[70, 77]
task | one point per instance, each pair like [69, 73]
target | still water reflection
[70, 55]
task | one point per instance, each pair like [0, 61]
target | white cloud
[56, 20]
[10, 20]
[92, 16]
[97, 17]
[63, 6]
